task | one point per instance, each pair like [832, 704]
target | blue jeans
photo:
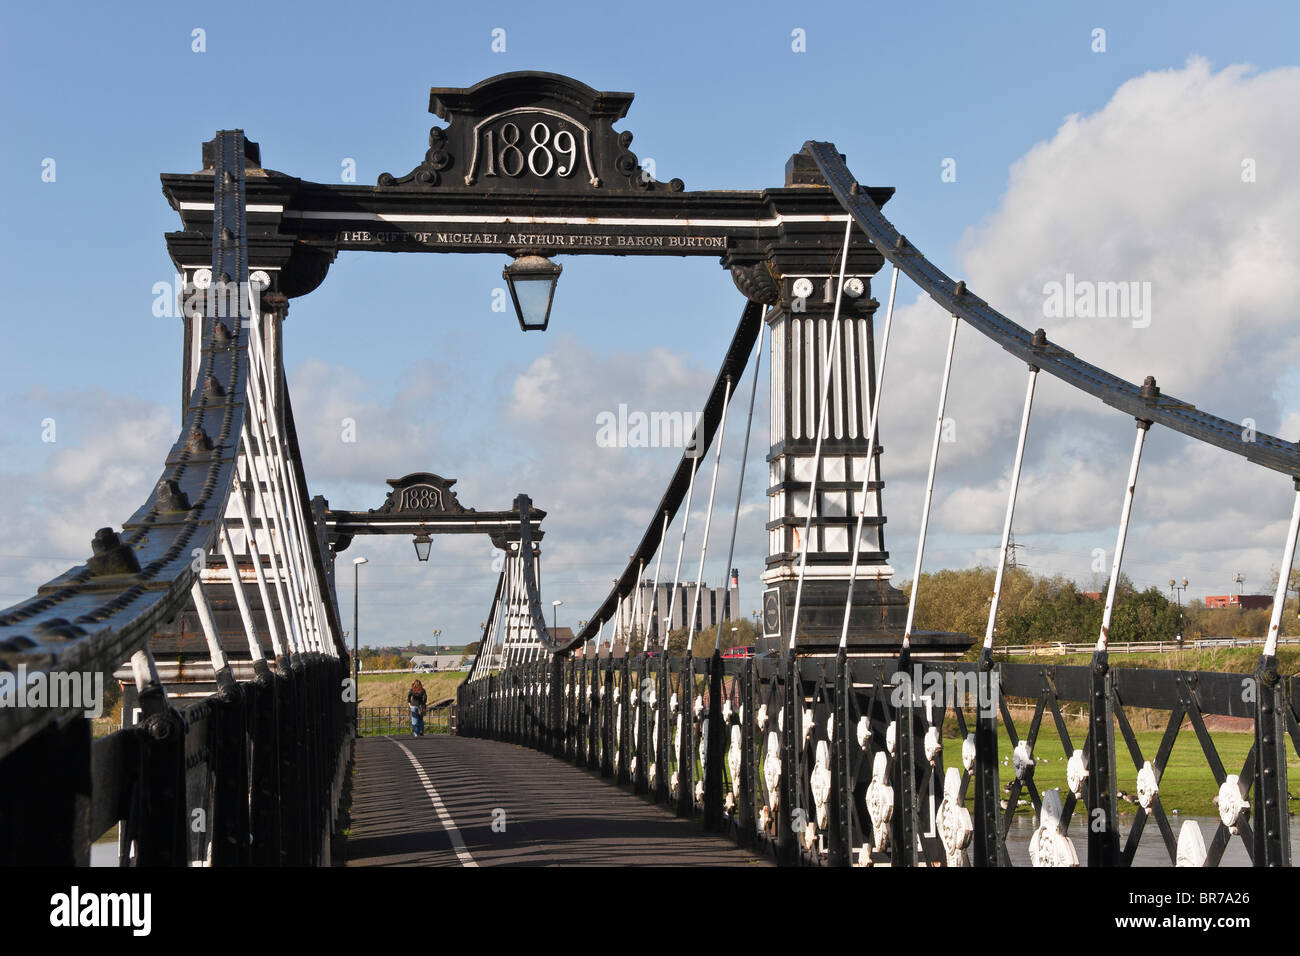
[417, 721]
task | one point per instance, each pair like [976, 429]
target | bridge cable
[503, 616]
[1011, 508]
[686, 520]
[487, 642]
[929, 485]
[708, 515]
[283, 586]
[636, 614]
[652, 616]
[489, 626]
[498, 622]
[1130, 490]
[255, 653]
[619, 631]
[872, 430]
[260, 415]
[740, 482]
[513, 620]
[830, 355]
[1283, 582]
[282, 468]
[216, 653]
[250, 536]
[273, 503]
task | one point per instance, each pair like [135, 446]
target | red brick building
[1248, 601]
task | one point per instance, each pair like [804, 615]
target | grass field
[389, 690]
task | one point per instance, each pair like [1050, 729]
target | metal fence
[396, 721]
[1136, 647]
[838, 761]
[254, 774]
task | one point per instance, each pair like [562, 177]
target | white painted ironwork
[1011, 508]
[708, 520]
[1283, 581]
[1129, 491]
[929, 485]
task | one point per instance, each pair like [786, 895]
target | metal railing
[1137, 647]
[838, 761]
[395, 721]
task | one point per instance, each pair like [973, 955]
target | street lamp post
[1175, 587]
[555, 612]
[356, 654]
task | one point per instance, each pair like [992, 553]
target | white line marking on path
[448, 823]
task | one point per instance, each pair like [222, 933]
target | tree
[745, 635]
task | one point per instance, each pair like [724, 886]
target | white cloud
[108, 453]
[1147, 189]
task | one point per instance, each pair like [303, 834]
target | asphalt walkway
[440, 800]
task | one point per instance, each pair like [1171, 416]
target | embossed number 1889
[542, 155]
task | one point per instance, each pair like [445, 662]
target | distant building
[437, 662]
[1248, 601]
[675, 609]
[1092, 595]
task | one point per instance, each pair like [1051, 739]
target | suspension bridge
[824, 748]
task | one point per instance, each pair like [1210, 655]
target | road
[433, 801]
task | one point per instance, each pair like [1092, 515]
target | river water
[1151, 850]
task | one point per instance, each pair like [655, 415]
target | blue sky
[721, 101]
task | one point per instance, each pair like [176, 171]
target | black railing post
[286, 690]
[686, 753]
[987, 789]
[715, 753]
[264, 769]
[839, 842]
[904, 835]
[1272, 839]
[556, 747]
[45, 792]
[787, 844]
[663, 720]
[637, 691]
[230, 798]
[160, 821]
[596, 717]
[608, 712]
[1103, 833]
[746, 834]
[590, 707]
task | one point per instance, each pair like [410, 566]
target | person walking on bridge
[418, 701]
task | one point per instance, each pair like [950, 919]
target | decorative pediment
[530, 132]
[422, 493]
